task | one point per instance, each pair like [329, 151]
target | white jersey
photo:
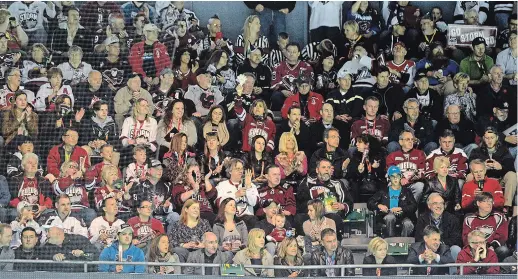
[7, 96]
[28, 65]
[100, 226]
[146, 129]
[70, 225]
[45, 90]
[31, 16]
[245, 204]
[75, 75]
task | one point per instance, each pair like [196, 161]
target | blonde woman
[293, 163]
[443, 184]
[316, 224]
[378, 248]
[250, 40]
[255, 254]
[463, 97]
[288, 254]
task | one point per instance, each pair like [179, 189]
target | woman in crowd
[293, 163]
[258, 159]
[250, 40]
[288, 254]
[186, 235]
[17, 38]
[325, 74]
[315, 225]
[35, 66]
[159, 252]
[366, 171]
[188, 185]
[177, 156]
[20, 119]
[367, 18]
[216, 122]
[185, 67]
[48, 92]
[445, 185]
[464, 97]
[175, 121]
[255, 254]
[213, 159]
[378, 248]
[225, 77]
[232, 234]
[73, 34]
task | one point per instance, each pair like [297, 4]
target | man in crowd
[279, 51]
[103, 230]
[214, 40]
[462, 128]
[309, 102]
[439, 69]
[281, 195]
[371, 123]
[92, 91]
[388, 39]
[123, 247]
[209, 254]
[477, 65]
[316, 129]
[507, 57]
[62, 217]
[480, 183]
[204, 95]
[126, 97]
[331, 253]
[477, 252]
[68, 150]
[75, 70]
[29, 251]
[6, 253]
[332, 152]
[501, 121]
[401, 70]
[430, 103]
[391, 96]
[11, 86]
[430, 251]
[262, 73]
[494, 92]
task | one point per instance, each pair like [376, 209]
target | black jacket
[316, 134]
[91, 130]
[377, 174]
[343, 256]
[391, 99]
[70, 243]
[406, 202]
[302, 138]
[487, 99]
[273, 5]
[423, 130]
[339, 156]
[450, 226]
[464, 131]
[384, 271]
[434, 110]
[263, 74]
[418, 248]
[37, 253]
[490, 120]
[286, 272]
[501, 155]
[351, 103]
[84, 97]
[452, 195]
[304, 193]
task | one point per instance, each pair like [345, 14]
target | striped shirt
[310, 52]
[276, 57]
[241, 55]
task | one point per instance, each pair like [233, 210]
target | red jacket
[253, 127]
[57, 155]
[490, 185]
[465, 256]
[411, 163]
[493, 225]
[75, 189]
[314, 105]
[162, 59]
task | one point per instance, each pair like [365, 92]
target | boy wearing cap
[477, 65]
[394, 204]
[123, 251]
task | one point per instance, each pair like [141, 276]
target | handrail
[342, 267]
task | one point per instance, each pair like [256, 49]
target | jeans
[391, 220]
[268, 18]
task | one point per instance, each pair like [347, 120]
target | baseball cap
[395, 21]
[420, 74]
[150, 27]
[343, 73]
[155, 164]
[111, 40]
[202, 71]
[125, 227]
[393, 170]
[478, 40]
[399, 44]
[269, 204]
[490, 129]
[501, 104]
[303, 79]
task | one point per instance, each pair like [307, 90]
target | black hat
[155, 164]
[491, 129]
[501, 104]
[18, 140]
[303, 78]
[420, 74]
[202, 71]
[478, 40]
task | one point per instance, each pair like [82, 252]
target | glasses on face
[437, 203]
[73, 166]
[408, 139]
[477, 242]
[146, 206]
[71, 136]
[216, 25]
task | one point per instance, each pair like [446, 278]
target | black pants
[325, 32]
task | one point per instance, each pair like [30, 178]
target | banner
[463, 35]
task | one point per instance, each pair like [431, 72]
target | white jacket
[130, 130]
[245, 204]
[75, 75]
[31, 16]
[100, 226]
[70, 225]
[45, 91]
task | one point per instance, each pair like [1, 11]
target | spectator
[213, 159]
[477, 252]
[292, 162]
[262, 73]
[188, 185]
[286, 73]
[360, 67]
[353, 37]
[73, 34]
[20, 119]
[459, 128]
[429, 35]
[499, 164]
[395, 205]
[331, 253]
[175, 120]
[114, 68]
[136, 171]
[480, 183]
[439, 69]
[93, 175]
[430, 102]
[131, 8]
[62, 217]
[232, 234]
[507, 58]
[168, 91]
[283, 195]
[31, 17]
[223, 76]
[444, 184]
[258, 159]
[95, 14]
[204, 95]
[75, 70]
[216, 123]
[168, 12]
[113, 188]
[208, 254]
[325, 73]
[500, 120]
[272, 14]
[246, 98]
[315, 52]
[214, 40]
[11, 87]
[477, 65]
[186, 234]
[185, 67]
[456, 157]
[430, 251]
[481, 9]
[313, 227]
[325, 20]
[99, 130]
[6, 233]
[395, 33]
[177, 156]
[92, 91]
[447, 223]
[378, 248]
[243, 191]
[411, 163]
[14, 34]
[28, 251]
[309, 102]
[493, 93]
[367, 17]
[371, 124]
[486, 219]
[127, 96]
[511, 259]
[502, 40]
[103, 229]
[255, 254]
[278, 51]
[402, 71]
[251, 39]
[339, 159]
[145, 227]
[24, 145]
[417, 124]
[159, 251]
[69, 149]
[256, 121]
[288, 254]
[46, 97]
[124, 246]
[391, 96]
[316, 129]
[24, 219]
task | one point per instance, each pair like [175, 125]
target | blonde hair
[134, 112]
[282, 142]
[65, 166]
[476, 233]
[353, 24]
[252, 234]
[246, 31]
[460, 77]
[186, 205]
[283, 246]
[376, 243]
[439, 161]
[107, 170]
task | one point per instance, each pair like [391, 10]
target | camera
[35, 208]
[12, 22]
[65, 111]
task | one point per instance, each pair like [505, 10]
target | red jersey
[411, 163]
[204, 198]
[145, 231]
[284, 75]
[378, 128]
[281, 195]
[309, 110]
[458, 163]
[407, 67]
[490, 185]
[74, 189]
[494, 226]
[278, 235]
[29, 190]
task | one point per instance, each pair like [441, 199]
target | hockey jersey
[494, 226]
[407, 70]
[411, 163]
[100, 226]
[245, 204]
[203, 197]
[29, 190]
[7, 96]
[75, 75]
[135, 173]
[41, 102]
[490, 185]
[104, 192]
[284, 75]
[204, 100]
[133, 130]
[70, 225]
[145, 231]
[378, 128]
[281, 195]
[32, 15]
[458, 163]
[252, 128]
[74, 189]
[156, 194]
[94, 175]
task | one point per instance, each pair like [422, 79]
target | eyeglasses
[477, 242]
[216, 25]
[408, 139]
[146, 206]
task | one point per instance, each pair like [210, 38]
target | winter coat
[10, 125]
[450, 226]
[418, 248]
[501, 155]
[343, 256]
[423, 130]
[451, 195]
[339, 156]
[266, 259]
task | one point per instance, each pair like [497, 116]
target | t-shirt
[148, 63]
[394, 197]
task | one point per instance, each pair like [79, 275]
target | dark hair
[54, 71]
[327, 231]
[327, 131]
[283, 35]
[293, 44]
[216, 56]
[429, 230]
[178, 57]
[153, 253]
[168, 116]
[483, 196]
[447, 133]
[220, 218]
[70, 129]
[371, 98]
[382, 69]
[29, 229]
[60, 196]
[292, 108]
[103, 204]
[271, 166]
[97, 105]
[223, 115]
[265, 155]
[438, 8]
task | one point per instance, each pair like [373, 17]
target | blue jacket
[133, 254]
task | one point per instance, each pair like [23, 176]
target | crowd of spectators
[133, 131]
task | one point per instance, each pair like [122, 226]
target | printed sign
[463, 35]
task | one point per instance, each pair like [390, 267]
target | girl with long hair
[250, 40]
[159, 252]
[175, 120]
[258, 159]
[216, 122]
[232, 234]
[185, 67]
[223, 76]
[213, 159]
[177, 156]
[288, 254]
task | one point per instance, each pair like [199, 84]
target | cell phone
[219, 36]
[194, 175]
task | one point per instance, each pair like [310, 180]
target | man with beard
[114, 69]
[262, 73]
[439, 69]
[430, 103]
[501, 122]
[335, 194]
[430, 251]
[495, 92]
[204, 95]
[331, 152]
[13, 84]
[499, 164]
[477, 65]
[401, 70]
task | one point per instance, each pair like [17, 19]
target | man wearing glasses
[68, 150]
[477, 252]
[145, 227]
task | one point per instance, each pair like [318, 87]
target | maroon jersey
[75, 190]
[458, 163]
[378, 128]
[203, 197]
[278, 234]
[284, 75]
[281, 195]
[411, 163]
[145, 231]
[494, 226]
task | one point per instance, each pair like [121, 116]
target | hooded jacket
[501, 155]
[133, 254]
[93, 129]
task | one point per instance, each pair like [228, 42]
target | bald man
[90, 92]
[209, 254]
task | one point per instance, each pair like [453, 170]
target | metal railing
[204, 265]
